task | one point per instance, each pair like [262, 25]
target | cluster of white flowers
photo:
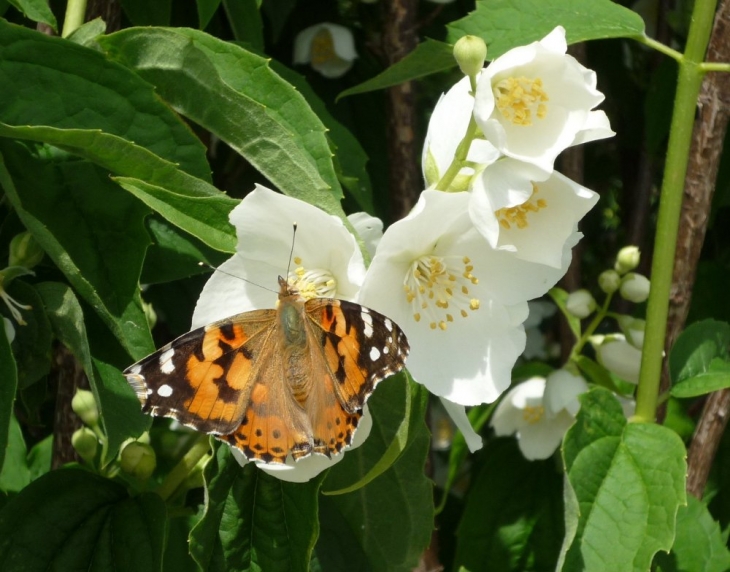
[457, 272]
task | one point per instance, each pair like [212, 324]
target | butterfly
[291, 380]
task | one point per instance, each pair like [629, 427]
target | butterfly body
[291, 380]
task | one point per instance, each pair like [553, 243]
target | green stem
[715, 67]
[670, 205]
[595, 322]
[75, 14]
[181, 471]
[659, 47]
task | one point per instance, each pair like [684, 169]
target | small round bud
[84, 406]
[618, 356]
[9, 330]
[635, 287]
[150, 314]
[86, 443]
[25, 251]
[627, 259]
[138, 460]
[609, 281]
[580, 303]
[470, 53]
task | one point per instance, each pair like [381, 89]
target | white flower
[446, 129]
[627, 259]
[618, 356]
[537, 345]
[633, 329]
[535, 101]
[520, 208]
[370, 229]
[635, 287]
[328, 48]
[326, 263]
[460, 302]
[580, 303]
[539, 412]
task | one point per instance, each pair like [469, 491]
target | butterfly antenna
[291, 252]
[215, 269]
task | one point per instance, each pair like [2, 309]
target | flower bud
[25, 251]
[580, 303]
[609, 281]
[84, 405]
[635, 287]
[150, 314]
[627, 259]
[138, 460]
[618, 356]
[85, 443]
[9, 330]
[470, 53]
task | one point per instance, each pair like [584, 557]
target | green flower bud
[25, 251]
[470, 53]
[84, 405]
[633, 329]
[138, 460]
[627, 259]
[635, 287]
[609, 281]
[580, 303]
[150, 314]
[85, 442]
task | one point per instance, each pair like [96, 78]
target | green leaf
[98, 244]
[513, 514]
[430, 56]
[390, 407]
[235, 94]
[628, 482]
[118, 404]
[560, 297]
[596, 373]
[505, 24]
[184, 200]
[699, 545]
[392, 516]
[74, 87]
[206, 11]
[14, 472]
[37, 11]
[33, 340]
[71, 519]
[254, 521]
[86, 34]
[245, 21]
[716, 377]
[696, 347]
[204, 217]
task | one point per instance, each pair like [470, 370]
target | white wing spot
[374, 353]
[367, 321]
[388, 324]
[390, 339]
[135, 369]
[164, 390]
[386, 349]
[166, 364]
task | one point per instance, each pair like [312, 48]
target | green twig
[181, 471]
[715, 67]
[670, 204]
[75, 15]
[659, 47]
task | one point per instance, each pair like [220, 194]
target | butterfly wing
[204, 378]
[352, 348]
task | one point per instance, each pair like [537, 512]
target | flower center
[517, 216]
[312, 283]
[13, 305]
[533, 414]
[438, 287]
[323, 47]
[519, 99]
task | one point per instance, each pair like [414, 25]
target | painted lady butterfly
[273, 382]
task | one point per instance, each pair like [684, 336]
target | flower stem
[659, 47]
[715, 67]
[75, 14]
[670, 205]
[181, 471]
[459, 157]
